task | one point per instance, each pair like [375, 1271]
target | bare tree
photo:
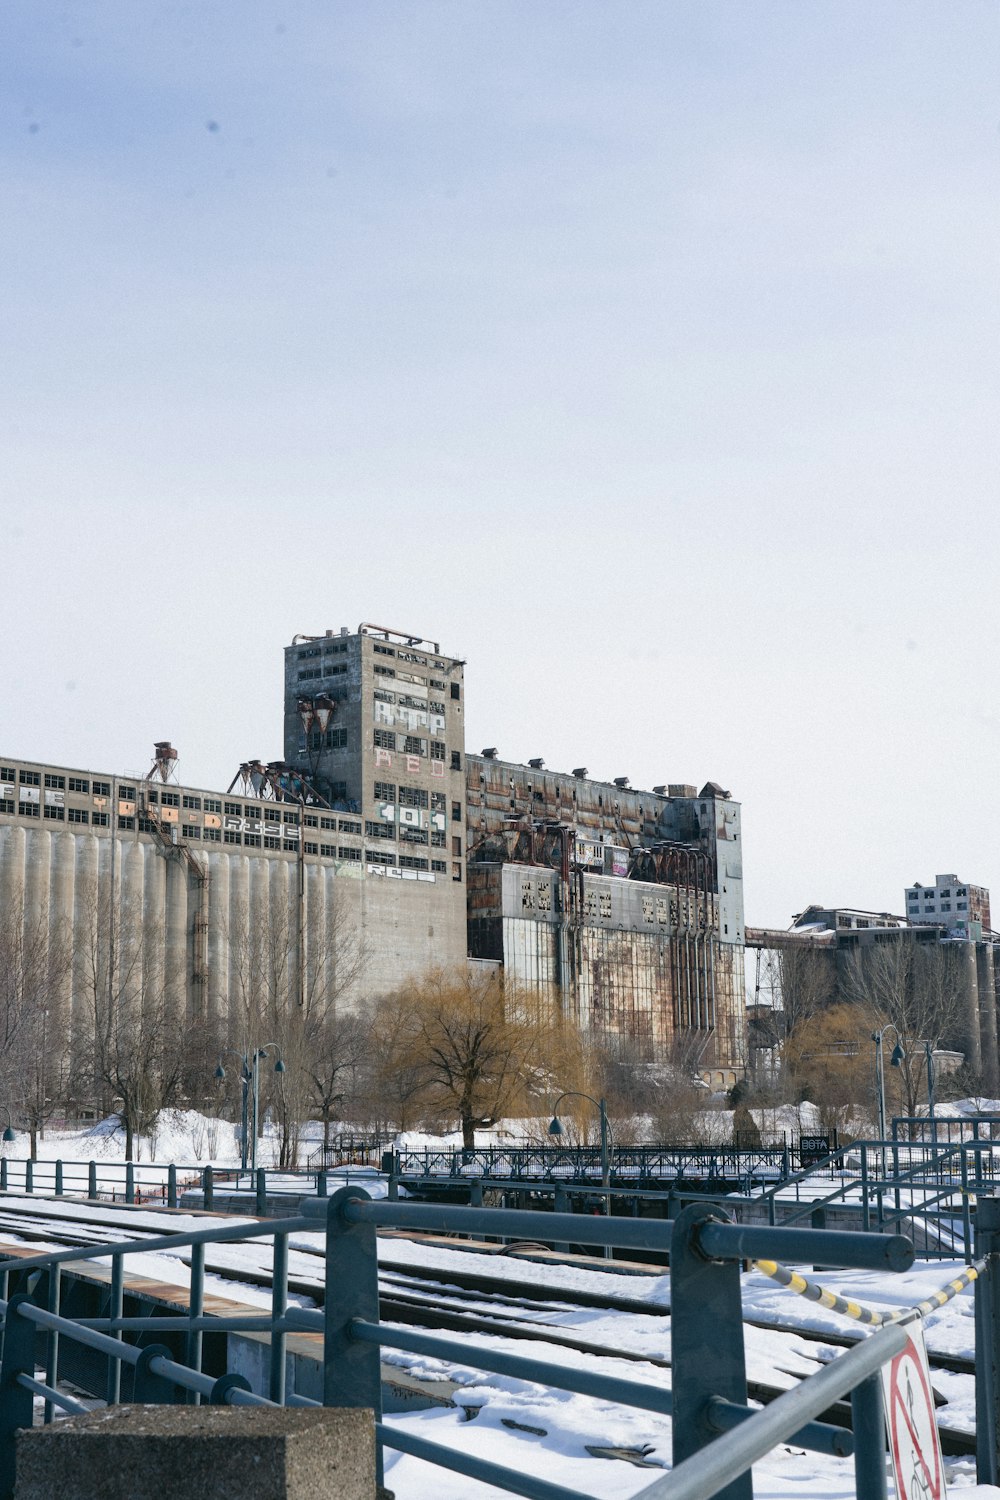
[271, 1004]
[35, 964]
[483, 1045]
[829, 1060]
[337, 1046]
[395, 1070]
[620, 1073]
[808, 978]
[134, 1056]
[916, 988]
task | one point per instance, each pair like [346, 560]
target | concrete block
[200, 1453]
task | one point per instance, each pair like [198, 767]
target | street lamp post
[896, 1060]
[555, 1128]
[250, 1080]
[929, 1055]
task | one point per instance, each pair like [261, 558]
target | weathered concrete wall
[634, 959]
[79, 886]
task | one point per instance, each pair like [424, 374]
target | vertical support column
[562, 1205]
[114, 1387]
[351, 1369]
[171, 1186]
[987, 1294]
[16, 1404]
[52, 1350]
[3, 1174]
[987, 988]
[59, 1179]
[322, 1188]
[706, 1320]
[966, 1207]
[92, 1179]
[207, 1188]
[279, 1305]
[196, 1306]
[129, 1182]
[476, 1201]
[865, 1208]
[29, 1176]
[868, 1422]
[260, 1192]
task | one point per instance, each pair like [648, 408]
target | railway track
[444, 1298]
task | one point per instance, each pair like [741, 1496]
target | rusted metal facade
[624, 906]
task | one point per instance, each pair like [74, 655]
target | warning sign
[909, 1418]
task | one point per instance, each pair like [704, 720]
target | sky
[643, 354]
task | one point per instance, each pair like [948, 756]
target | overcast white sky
[644, 354]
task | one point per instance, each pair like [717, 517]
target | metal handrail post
[868, 1424]
[476, 1201]
[59, 1179]
[865, 1207]
[92, 1180]
[196, 1306]
[16, 1402]
[279, 1305]
[561, 1204]
[260, 1192]
[129, 1182]
[987, 1295]
[351, 1370]
[706, 1318]
[52, 1343]
[116, 1301]
[171, 1186]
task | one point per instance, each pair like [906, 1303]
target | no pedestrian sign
[909, 1418]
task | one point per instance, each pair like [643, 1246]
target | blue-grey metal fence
[627, 1164]
[717, 1436]
[165, 1183]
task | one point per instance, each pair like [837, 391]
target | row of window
[55, 781]
[330, 739]
[309, 674]
[187, 799]
[330, 648]
[416, 796]
[408, 656]
[344, 825]
[414, 744]
[404, 835]
[930, 895]
[406, 700]
[56, 814]
[250, 840]
[436, 684]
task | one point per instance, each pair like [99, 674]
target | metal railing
[357, 1147]
[946, 1129]
[633, 1165]
[717, 1436]
[928, 1189]
[163, 1184]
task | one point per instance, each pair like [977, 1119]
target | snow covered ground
[524, 1425]
[569, 1439]
[535, 1427]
